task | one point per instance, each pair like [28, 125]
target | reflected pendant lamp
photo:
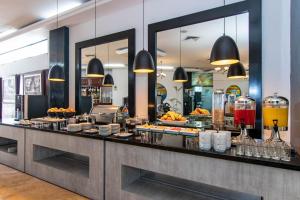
[108, 80]
[143, 61]
[225, 50]
[56, 72]
[180, 75]
[236, 71]
[95, 67]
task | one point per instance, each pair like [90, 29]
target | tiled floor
[15, 185]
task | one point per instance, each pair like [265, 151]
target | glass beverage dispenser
[218, 109]
[244, 114]
[275, 114]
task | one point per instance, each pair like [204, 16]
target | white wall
[25, 65]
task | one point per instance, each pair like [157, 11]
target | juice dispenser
[218, 109]
[275, 114]
[244, 114]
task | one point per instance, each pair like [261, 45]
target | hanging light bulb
[56, 72]
[224, 51]
[143, 61]
[108, 79]
[236, 70]
[180, 75]
[95, 67]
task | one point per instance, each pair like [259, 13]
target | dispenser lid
[245, 100]
[276, 100]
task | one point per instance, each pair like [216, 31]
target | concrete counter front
[120, 169]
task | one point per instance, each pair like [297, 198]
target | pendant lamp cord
[180, 47]
[224, 3]
[143, 24]
[95, 28]
[108, 56]
[236, 30]
[56, 30]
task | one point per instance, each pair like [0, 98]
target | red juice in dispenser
[244, 112]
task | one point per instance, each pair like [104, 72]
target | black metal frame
[253, 7]
[128, 34]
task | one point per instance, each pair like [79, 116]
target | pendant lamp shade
[108, 80]
[224, 52]
[56, 74]
[236, 71]
[180, 75]
[95, 68]
[143, 62]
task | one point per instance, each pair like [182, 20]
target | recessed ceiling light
[165, 67]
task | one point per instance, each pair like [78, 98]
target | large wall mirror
[187, 42]
[116, 52]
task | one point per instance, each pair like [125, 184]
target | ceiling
[17, 14]
[196, 51]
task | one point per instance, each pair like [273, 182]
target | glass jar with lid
[218, 108]
[245, 112]
[275, 108]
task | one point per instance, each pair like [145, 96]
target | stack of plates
[105, 130]
[74, 127]
[115, 128]
[86, 126]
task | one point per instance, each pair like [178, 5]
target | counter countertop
[176, 143]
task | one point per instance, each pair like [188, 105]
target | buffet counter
[141, 165]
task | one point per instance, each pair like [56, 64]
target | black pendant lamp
[108, 79]
[180, 75]
[56, 72]
[224, 51]
[143, 61]
[237, 70]
[95, 67]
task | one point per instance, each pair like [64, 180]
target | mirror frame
[128, 34]
[253, 7]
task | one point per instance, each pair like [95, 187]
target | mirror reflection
[113, 90]
[190, 47]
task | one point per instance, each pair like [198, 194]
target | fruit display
[200, 111]
[173, 116]
[61, 112]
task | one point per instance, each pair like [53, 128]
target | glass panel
[193, 99]
[114, 57]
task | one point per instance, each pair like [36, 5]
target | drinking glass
[266, 150]
[285, 153]
[275, 151]
[257, 149]
[248, 147]
[240, 148]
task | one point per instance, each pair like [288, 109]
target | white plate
[123, 134]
